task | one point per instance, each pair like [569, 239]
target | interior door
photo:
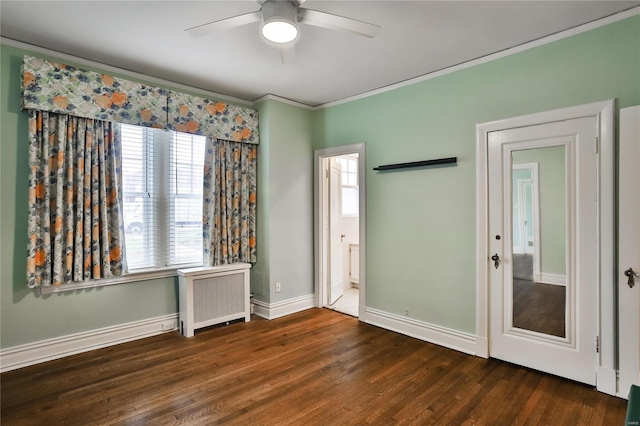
[336, 287]
[629, 249]
[549, 322]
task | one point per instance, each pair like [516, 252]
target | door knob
[496, 260]
[632, 275]
[342, 237]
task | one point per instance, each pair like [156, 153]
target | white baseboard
[550, 278]
[606, 381]
[59, 347]
[285, 307]
[452, 339]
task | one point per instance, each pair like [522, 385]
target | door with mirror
[543, 233]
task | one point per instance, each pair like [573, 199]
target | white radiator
[213, 295]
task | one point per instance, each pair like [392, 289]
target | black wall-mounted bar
[449, 160]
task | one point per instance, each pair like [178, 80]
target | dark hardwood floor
[317, 367]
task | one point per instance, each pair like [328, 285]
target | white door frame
[318, 156]
[603, 111]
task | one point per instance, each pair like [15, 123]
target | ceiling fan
[280, 19]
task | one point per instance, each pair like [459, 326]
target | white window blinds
[162, 193]
[186, 164]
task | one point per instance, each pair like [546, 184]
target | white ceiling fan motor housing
[279, 21]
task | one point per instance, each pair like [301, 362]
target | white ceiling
[417, 37]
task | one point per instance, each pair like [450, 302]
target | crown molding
[272, 97]
[110, 68]
[491, 57]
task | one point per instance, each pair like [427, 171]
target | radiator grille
[217, 297]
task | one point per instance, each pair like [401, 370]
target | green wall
[260, 271]
[285, 203]
[421, 223]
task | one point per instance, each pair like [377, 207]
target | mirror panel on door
[539, 240]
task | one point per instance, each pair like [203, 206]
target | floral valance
[49, 86]
[202, 116]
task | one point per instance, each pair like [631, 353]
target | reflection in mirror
[539, 240]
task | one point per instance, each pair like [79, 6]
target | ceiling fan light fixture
[279, 31]
[279, 21]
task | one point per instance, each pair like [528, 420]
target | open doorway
[339, 216]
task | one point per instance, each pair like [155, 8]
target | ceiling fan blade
[288, 53]
[224, 24]
[335, 22]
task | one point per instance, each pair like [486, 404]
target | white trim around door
[318, 156]
[605, 142]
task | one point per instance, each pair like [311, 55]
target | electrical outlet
[407, 311]
[278, 287]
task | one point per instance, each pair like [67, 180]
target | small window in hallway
[350, 188]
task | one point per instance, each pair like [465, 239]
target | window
[162, 192]
[350, 189]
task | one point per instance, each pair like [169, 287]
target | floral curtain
[75, 184]
[229, 202]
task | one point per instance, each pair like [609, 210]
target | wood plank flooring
[317, 367]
